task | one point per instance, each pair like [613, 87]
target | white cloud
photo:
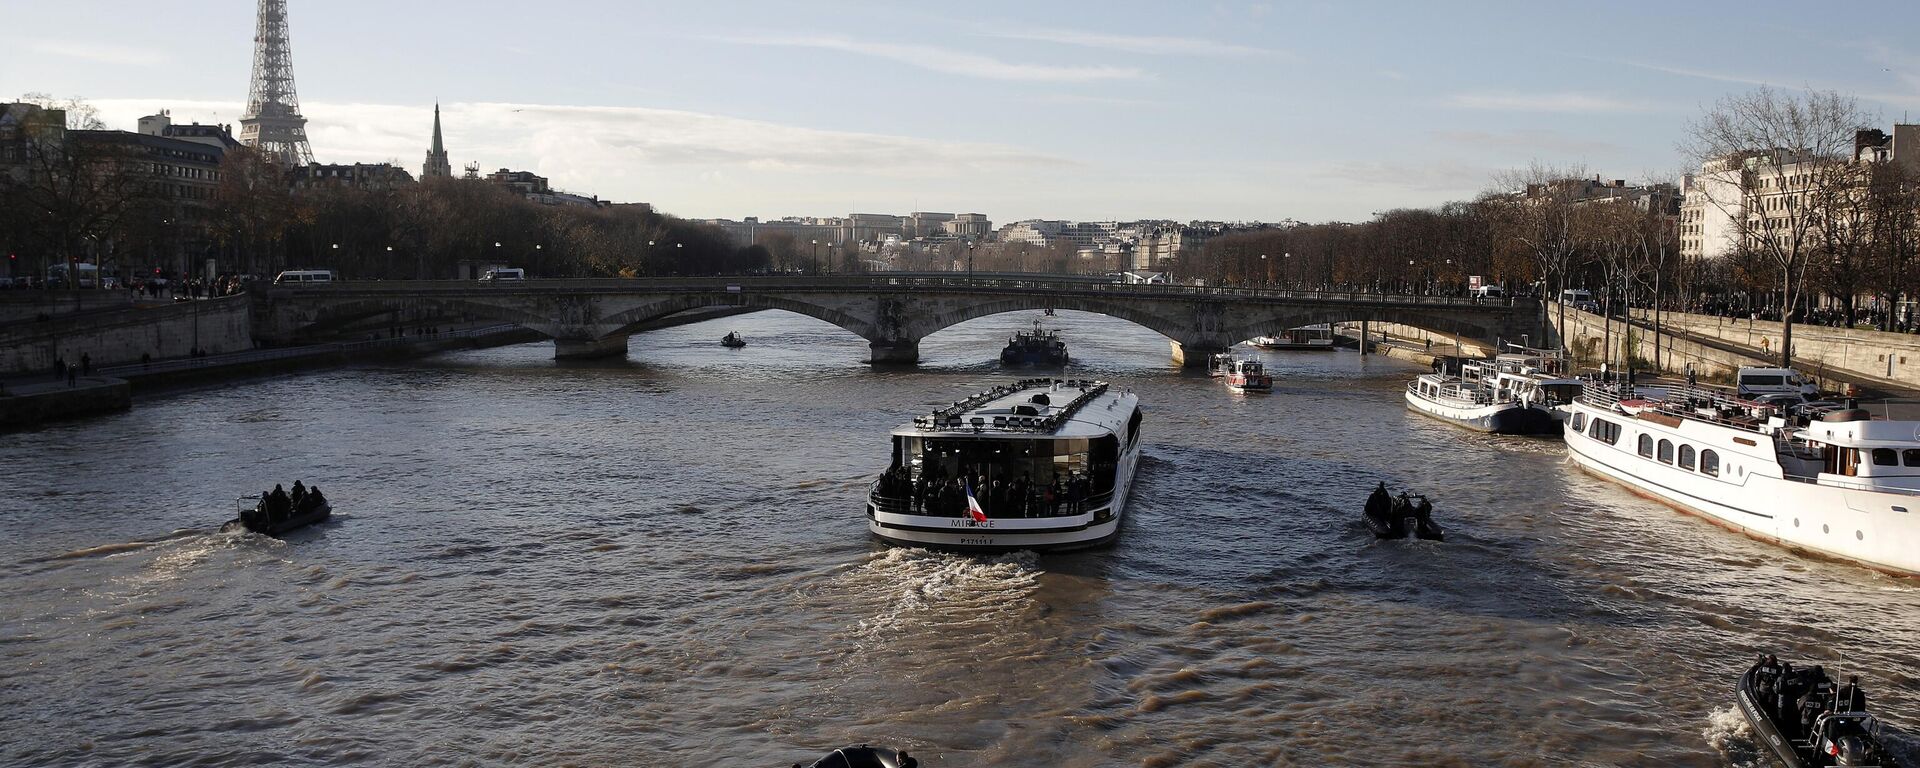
[1564, 101]
[1181, 46]
[949, 61]
[97, 52]
[620, 153]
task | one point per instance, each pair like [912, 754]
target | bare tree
[1534, 207]
[1790, 150]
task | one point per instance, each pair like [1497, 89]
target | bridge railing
[929, 281]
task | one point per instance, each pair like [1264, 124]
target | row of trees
[1814, 217]
[73, 192]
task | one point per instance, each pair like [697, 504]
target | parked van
[304, 276]
[1489, 292]
[1752, 382]
[501, 274]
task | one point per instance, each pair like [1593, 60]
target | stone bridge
[892, 311]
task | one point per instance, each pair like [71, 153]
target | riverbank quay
[126, 332]
[25, 404]
[1591, 339]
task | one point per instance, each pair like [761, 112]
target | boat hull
[1496, 418]
[1763, 726]
[292, 523]
[1877, 529]
[1012, 357]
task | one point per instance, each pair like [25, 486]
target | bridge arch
[1274, 322]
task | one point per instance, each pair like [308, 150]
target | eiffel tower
[273, 124]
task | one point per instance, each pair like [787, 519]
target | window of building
[1646, 445]
[1886, 457]
[1710, 462]
[1686, 457]
[1666, 451]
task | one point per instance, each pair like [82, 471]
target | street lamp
[816, 257]
[970, 259]
[646, 264]
[1267, 268]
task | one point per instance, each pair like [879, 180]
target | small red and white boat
[1249, 376]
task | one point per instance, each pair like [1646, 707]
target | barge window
[1886, 457]
[1710, 462]
[1686, 457]
[1666, 451]
[1911, 456]
[1646, 445]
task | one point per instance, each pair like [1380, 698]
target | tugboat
[863, 756]
[1248, 376]
[1397, 518]
[276, 512]
[1040, 464]
[1807, 721]
[1036, 347]
[733, 340]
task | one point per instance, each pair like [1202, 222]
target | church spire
[437, 165]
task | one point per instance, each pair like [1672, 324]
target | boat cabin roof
[1031, 408]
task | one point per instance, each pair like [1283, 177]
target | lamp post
[646, 263]
[1266, 268]
[970, 259]
[816, 257]
[676, 255]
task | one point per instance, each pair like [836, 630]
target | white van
[304, 276]
[1767, 381]
[502, 274]
[1490, 291]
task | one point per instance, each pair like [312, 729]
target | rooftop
[1027, 407]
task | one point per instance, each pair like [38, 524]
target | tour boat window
[1579, 422]
[1646, 445]
[1886, 457]
[1710, 463]
[1666, 451]
[1911, 456]
[1686, 457]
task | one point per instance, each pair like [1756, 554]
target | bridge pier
[894, 352]
[590, 349]
[1194, 354]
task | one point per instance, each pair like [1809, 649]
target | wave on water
[1727, 731]
[922, 589]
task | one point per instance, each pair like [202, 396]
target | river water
[663, 562]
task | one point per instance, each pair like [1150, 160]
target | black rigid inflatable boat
[1808, 721]
[1397, 518]
[864, 756]
[275, 513]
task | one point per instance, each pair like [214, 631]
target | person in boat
[1379, 502]
[278, 504]
[299, 492]
[1851, 698]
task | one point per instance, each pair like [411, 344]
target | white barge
[1838, 483]
[1042, 464]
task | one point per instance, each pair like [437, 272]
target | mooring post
[1363, 337]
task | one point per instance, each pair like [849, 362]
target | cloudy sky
[1094, 110]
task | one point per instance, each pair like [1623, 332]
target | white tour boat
[1311, 337]
[1042, 464]
[1249, 376]
[1484, 399]
[1839, 482]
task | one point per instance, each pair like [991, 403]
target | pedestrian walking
[73, 375]
[86, 364]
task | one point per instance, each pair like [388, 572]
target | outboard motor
[864, 756]
[1853, 750]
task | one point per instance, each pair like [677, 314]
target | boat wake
[1727, 732]
[921, 590]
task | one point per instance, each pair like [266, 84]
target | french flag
[973, 505]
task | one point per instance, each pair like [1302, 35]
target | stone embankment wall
[1586, 337]
[1894, 356]
[31, 304]
[119, 337]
